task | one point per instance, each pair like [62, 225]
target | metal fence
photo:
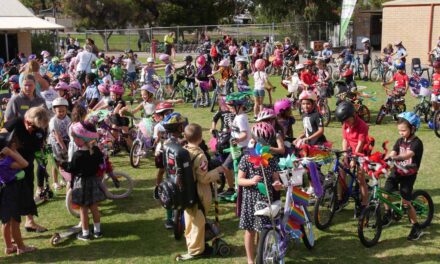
[189, 38]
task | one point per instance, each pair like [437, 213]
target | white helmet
[299, 67]
[365, 40]
[150, 60]
[60, 101]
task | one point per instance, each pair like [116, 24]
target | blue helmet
[399, 64]
[412, 118]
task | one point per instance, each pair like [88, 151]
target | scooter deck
[60, 237]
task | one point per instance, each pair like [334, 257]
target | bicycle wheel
[399, 109]
[178, 93]
[325, 207]
[324, 110]
[136, 153]
[178, 224]
[388, 75]
[424, 206]
[375, 75]
[336, 75]
[121, 190]
[268, 250]
[284, 73]
[213, 101]
[370, 225]
[72, 208]
[307, 230]
[380, 115]
[436, 123]
[364, 113]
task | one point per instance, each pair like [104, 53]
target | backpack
[178, 190]
[213, 51]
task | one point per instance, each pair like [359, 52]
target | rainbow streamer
[293, 229]
[300, 197]
[314, 177]
[296, 214]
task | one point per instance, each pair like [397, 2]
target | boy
[400, 79]
[435, 96]
[195, 216]
[407, 152]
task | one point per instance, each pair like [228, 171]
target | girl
[130, 67]
[104, 92]
[84, 167]
[256, 54]
[323, 77]
[243, 75]
[233, 49]
[226, 74]
[104, 74]
[268, 115]
[308, 78]
[202, 79]
[91, 93]
[118, 106]
[283, 111]
[278, 53]
[169, 71]
[248, 178]
[435, 96]
[63, 92]
[148, 72]
[59, 136]
[11, 164]
[78, 115]
[400, 53]
[149, 104]
[116, 71]
[261, 82]
[75, 94]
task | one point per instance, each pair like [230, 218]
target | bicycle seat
[275, 208]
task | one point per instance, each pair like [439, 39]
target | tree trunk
[105, 37]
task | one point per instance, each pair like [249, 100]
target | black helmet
[344, 111]
[189, 58]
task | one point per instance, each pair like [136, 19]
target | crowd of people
[51, 96]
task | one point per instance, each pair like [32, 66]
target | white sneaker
[275, 208]
[56, 186]
[310, 190]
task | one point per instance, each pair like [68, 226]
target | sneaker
[227, 193]
[169, 224]
[56, 186]
[116, 182]
[431, 125]
[97, 235]
[416, 232]
[310, 190]
[82, 237]
[386, 219]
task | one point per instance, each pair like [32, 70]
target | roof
[14, 15]
[410, 2]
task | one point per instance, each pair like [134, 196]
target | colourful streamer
[296, 214]
[314, 176]
[300, 197]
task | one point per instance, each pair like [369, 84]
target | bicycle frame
[348, 190]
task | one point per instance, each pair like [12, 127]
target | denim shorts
[131, 76]
[169, 80]
[259, 93]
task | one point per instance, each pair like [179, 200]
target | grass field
[134, 231]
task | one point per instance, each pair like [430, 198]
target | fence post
[308, 35]
[273, 30]
[129, 40]
[178, 34]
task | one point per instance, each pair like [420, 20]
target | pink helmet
[164, 57]
[75, 85]
[266, 113]
[62, 86]
[45, 53]
[117, 89]
[263, 133]
[201, 60]
[149, 88]
[103, 88]
[308, 95]
[260, 64]
[282, 105]
[224, 63]
[85, 131]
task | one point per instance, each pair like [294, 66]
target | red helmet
[260, 64]
[308, 62]
[162, 106]
[201, 60]
[263, 133]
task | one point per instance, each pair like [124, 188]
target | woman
[366, 56]
[84, 61]
[169, 44]
[91, 43]
[400, 53]
[33, 68]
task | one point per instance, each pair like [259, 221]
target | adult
[91, 43]
[366, 56]
[70, 45]
[33, 68]
[169, 43]
[400, 53]
[347, 56]
[84, 61]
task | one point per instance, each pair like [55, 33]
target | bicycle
[221, 91]
[381, 71]
[423, 108]
[143, 143]
[325, 206]
[322, 103]
[394, 105]
[361, 110]
[358, 68]
[436, 123]
[275, 238]
[371, 216]
[181, 91]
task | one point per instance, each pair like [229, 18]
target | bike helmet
[365, 40]
[60, 101]
[162, 107]
[62, 86]
[117, 89]
[326, 45]
[344, 110]
[104, 68]
[201, 60]
[45, 53]
[282, 105]
[263, 133]
[55, 59]
[75, 85]
[260, 64]
[299, 67]
[150, 60]
[265, 114]
[164, 57]
[103, 88]
[308, 63]
[13, 79]
[85, 131]
[235, 99]
[189, 58]
[64, 78]
[173, 121]
[224, 63]
[149, 88]
[241, 59]
[436, 64]
[412, 118]
[32, 57]
[348, 72]
[308, 95]
[399, 64]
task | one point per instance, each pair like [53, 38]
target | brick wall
[410, 24]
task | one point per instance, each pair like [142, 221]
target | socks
[97, 227]
[85, 232]
[169, 214]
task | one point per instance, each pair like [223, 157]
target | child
[226, 73]
[91, 93]
[195, 216]
[190, 75]
[407, 152]
[116, 71]
[294, 86]
[55, 67]
[78, 115]
[169, 71]
[148, 72]
[285, 118]
[435, 96]
[11, 164]
[75, 94]
[267, 115]
[261, 82]
[248, 178]
[118, 106]
[400, 79]
[148, 104]
[63, 92]
[130, 67]
[202, 79]
[59, 136]
[104, 75]
[243, 75]
[278, 53]
[104, 93]
[84, 167]
[308, 78]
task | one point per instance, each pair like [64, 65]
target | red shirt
[436, 83]
[354, 134]
[400, 80]
[308, 78]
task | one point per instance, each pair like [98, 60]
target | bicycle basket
[284, 176]
[297, 176]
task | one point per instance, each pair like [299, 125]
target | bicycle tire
[380, 115]
[268, 247]
[135, 153]
[399, 109]
[213, 101]
[364, 113]
[326, 201]
[388, 75]
[178, 225]
[421, 209]
[284, 73]
[71, 207]
[336, 75]
[125, 189]
[159, 94]
[325, 113]
[375, 75]
[436, 123]
[308, 237]
[372, 210]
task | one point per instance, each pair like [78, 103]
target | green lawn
[134, 232]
